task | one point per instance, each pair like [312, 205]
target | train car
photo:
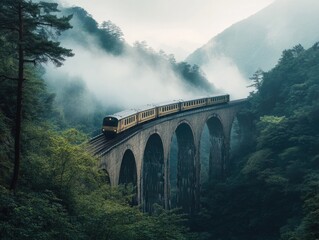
[146, 113]
[217, 100]
[167, 108]
[119, 122]
[194, 103]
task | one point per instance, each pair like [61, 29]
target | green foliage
[274, 192]
[38, 46]
[34, 216]
[194, 76]
[108, 35]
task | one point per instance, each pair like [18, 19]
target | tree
[31, 28]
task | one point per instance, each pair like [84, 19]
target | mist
[122, 81]
[223, 72]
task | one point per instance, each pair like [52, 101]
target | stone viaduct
[145, 157]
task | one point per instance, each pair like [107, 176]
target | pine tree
[31, 28]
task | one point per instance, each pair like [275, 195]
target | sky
[178, 27]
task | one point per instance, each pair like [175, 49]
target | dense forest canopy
[272, 192]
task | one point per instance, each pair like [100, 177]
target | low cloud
[120, 82]
[226, 76]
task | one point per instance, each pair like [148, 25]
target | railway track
[100, 145]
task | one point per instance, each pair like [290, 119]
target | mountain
[258, 41]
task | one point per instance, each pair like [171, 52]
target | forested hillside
[272, 192]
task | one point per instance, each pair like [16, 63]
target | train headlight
[103, 129]
[114, 130]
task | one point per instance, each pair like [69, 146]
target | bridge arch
[213, 164]
[153, 173]
[182, 172]
[128, 173]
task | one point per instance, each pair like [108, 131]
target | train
[124, 120]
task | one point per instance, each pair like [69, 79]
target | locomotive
[122, 121]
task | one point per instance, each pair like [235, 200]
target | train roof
[123, 114]
[201, 97]
[145, 107]
[167, 103]
[130, 112]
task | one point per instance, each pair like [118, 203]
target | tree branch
[30, 61]
[4, 77]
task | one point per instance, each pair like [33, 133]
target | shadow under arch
[241, 136]
[182, 174]
[128, 173]
[153, 173]
[212, 144]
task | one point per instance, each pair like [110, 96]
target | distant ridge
[258, 41]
